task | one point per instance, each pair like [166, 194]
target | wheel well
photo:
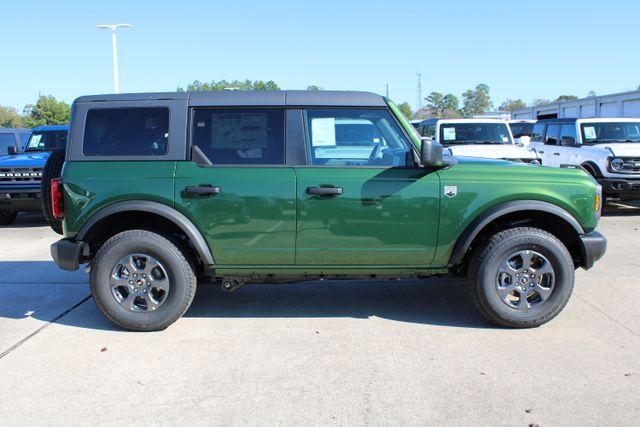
[113, 224]
[546, 221]
[592, 168]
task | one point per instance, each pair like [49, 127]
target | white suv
[487, 138]
[608, 148]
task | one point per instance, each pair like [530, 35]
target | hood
[25, 160]
[492, 151]
[623, 149]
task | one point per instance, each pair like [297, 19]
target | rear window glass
[126, 132]
[537, 132]
[246, 136]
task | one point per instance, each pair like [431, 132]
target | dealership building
[625, 104]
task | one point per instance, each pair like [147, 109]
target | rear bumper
[621, 187]
[593, 246]
[67, 253]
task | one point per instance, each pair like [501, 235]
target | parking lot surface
[344, 353]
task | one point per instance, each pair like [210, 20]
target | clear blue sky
[521, 49]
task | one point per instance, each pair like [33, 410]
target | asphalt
[337, 353]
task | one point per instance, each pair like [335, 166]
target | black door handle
[203, 190]
[325, 191]
[556, 154]
[541, 152]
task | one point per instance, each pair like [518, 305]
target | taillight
[57, 198]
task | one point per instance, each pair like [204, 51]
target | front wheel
[521, 277]
[142, 281]
[7, 216]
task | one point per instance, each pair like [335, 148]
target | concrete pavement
[343, 353]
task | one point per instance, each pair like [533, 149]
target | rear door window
[126, 132]
[569, 131]
[538, 132]
[240, 136]
[553, 132]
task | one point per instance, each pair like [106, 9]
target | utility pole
[419, 91]
[114, 46]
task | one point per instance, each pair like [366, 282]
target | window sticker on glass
[323, 132]
[449, 134]
[35, 139]
[590, 132]
[505, 139]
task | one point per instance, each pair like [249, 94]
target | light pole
[113, 28]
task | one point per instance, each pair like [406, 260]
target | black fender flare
[181, 221]
[594, 167]
[485, 218]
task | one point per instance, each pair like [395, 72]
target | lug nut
[131, 282]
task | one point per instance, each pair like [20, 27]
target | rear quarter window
[126, 132]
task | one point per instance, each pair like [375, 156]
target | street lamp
[113, 28]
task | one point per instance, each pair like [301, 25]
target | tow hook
[230, 283]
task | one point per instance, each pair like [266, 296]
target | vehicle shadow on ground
[437, 302]
[621, 209]
[26, 220]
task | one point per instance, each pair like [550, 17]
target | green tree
[230, 85]
[9, 118]
[406, 110]
[565, 98]
[435, 103]
[513, 104]
[314, 88]
[476, 101]
[450, 106]
[540, 101]
[47, 111]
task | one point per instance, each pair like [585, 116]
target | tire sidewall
[562, 265]
[179, 286]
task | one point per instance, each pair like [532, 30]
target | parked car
[486, 138]
[608, 148]
[21, 173]
[235, 187]
[521, 131]
[12, 140]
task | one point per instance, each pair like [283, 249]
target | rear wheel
[521, 277]
[7, 216]
[52, 169]
[142, 281]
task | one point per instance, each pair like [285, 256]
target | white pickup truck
[487, 138]
[608, 148]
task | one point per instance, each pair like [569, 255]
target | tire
[491, 278]
[52, 169]
[126, 305]
[7, 216]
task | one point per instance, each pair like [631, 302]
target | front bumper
[21, 197]
[625, 188]
[67, 253]
[593, 246]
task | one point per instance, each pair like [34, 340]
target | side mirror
[431, 153]
[11, 150]
[568, 141]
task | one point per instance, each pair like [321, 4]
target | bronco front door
[362, 199]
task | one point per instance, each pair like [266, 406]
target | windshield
[474, 133]
[593, 133]
[521, 129]
[47, 140]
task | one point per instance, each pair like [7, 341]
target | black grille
[631, 165]
[20, 175]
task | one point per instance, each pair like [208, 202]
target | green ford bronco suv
[158, 191]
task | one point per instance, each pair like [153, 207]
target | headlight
[535, 162]
[617, 164]
[597, 202]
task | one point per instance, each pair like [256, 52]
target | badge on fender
[451, 191]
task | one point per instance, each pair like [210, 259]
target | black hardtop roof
[552, 121]
[238, 98]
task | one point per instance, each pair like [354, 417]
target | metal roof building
[624, 104]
